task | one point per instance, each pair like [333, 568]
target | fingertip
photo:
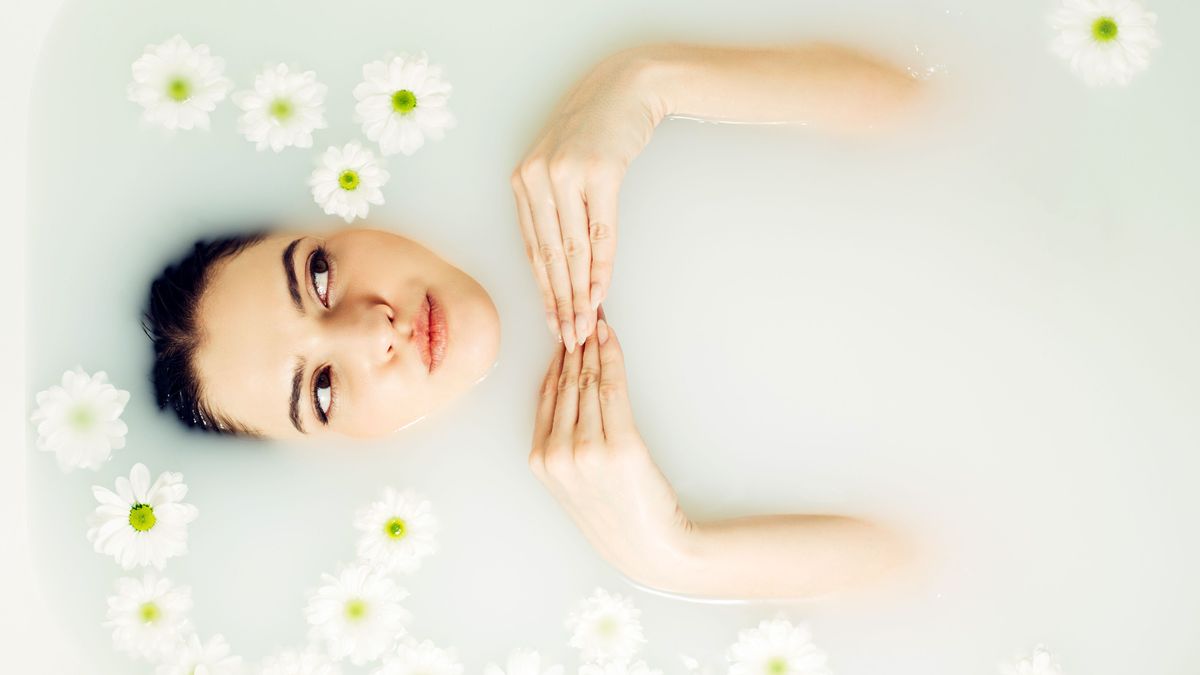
[595, 295]
[602, 330]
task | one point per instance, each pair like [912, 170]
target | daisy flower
[1105, 41]
[397, 531]
[140, 523]
[177, 84]
[776, 647]
[196, 658]
[310, 661]
[357, 613]
[425, 658]
[522, 661]
[283, 110]
[79, 420]
[347, 181]
[605, 627]
[618, 668]
[1041, 662]
[402, 102]
[148, 616]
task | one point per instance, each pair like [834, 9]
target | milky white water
[982, 330]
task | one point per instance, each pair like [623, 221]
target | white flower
[310, 661]
[403, 101]
[397, 531]
[196, 658]
[357, 613]
[425, 658]
[283, 110]
[347, 181]
[618, 668]
[178, 84]
[148, 616]
[693, 665]
[1106, 41]
[140, 523]
[1041, 662]
[776, 647]
[522, 661]
[605, 627]
[80, 419]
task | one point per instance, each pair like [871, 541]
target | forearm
[818, 84]
[780, 556]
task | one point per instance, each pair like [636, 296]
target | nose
[367, 332]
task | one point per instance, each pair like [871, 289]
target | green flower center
[141, 517]
[777, 666]
[404, 101]
[81, 418]
[356, 609]
[1104, 29]
[149, 612]
[607, 626]
[179, 89]
[348, 179]
[281, 109]
[395, 528]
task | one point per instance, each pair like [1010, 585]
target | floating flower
[605, 627]
[196, 658]
[618, 668]
[310, 661]
[403, 101]
[776, 647]
[357, 613]
[140, 523]
[522, 661]
[283, 110]
[148, 616]
[178, 84]
[397, 531]
[348, 181]
[1106, 41]
[79, 420]
[1041, 662]
[425, 658]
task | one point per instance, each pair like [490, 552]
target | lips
[429, 332]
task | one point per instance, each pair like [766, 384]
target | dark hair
[170, 323]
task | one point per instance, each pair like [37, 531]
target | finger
[532, 252]
[601, 197]
[590, 426]
[616, 414]
[550, 247]
[547, 398]
[600, 312]
[566, 408]
[572, 219]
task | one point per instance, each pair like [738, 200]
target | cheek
[384, 406]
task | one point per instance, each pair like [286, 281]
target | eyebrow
[289, 269]
[294, 409]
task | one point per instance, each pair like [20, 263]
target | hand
[566, 188]
[588, 454]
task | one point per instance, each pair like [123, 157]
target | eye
[318, 269]
[323, 394]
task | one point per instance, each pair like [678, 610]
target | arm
[588, 453]
[566, 187]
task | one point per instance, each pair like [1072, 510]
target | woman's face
[358, 332]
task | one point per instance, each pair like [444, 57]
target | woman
[360, 332]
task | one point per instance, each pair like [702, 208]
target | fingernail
[568, 335]
[595, 296]
[602, 330]
[581, 328]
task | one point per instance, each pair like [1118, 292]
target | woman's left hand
[566, 187]
[589, 455]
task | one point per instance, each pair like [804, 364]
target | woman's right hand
[566, 188]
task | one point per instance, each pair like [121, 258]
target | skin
[252, 332]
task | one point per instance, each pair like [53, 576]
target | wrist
[655, 72]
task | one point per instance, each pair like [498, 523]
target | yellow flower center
[281, 109]
[179, 89]
[81, 418]
[356, 609]
[777, 666]
[149, 612]
[141, 517]
[348, 180]
[404, 101]
[395, 528]
[1104, 29]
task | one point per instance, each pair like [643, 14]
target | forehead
[246, 323]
